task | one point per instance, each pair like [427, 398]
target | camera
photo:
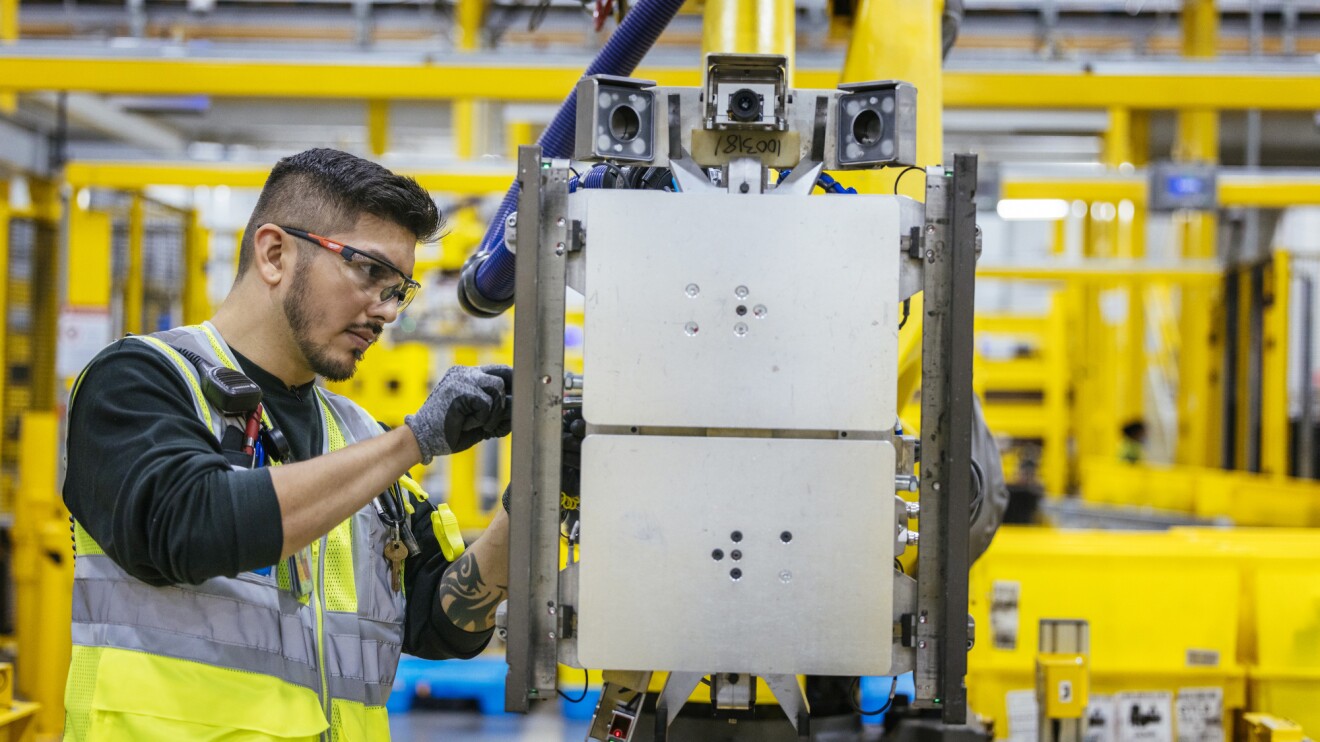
[877, 124]
[746, 91]
[615, 119]
[746, 106]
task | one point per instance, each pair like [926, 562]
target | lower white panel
[811, 522]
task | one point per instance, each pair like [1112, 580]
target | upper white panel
[738, 311]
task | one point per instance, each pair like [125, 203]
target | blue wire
[830, 185]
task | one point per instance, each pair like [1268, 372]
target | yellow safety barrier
[43, 573]
[1280, 621]
[1246, 499]
[1220, 616]
[1026, 393]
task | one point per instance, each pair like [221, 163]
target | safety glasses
[377, 275]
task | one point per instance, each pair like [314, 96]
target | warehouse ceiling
[1007, 35]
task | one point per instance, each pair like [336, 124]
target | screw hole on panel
[717, 555]
[736, 536]
[786, 536]
[736, 574]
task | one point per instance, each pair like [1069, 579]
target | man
[1132, 449]
[231, 586]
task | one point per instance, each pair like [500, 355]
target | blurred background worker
[1133, 447]
[246, 539]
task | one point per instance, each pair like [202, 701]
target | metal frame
[946, 413]
[940, 617]
[538, 391]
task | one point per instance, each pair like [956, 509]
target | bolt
[922, 619]
[545, 379]
[936, 486]
[913, 538]
[913, 509]
[559, 248]
[550, 610]
[920, 645]
[559, 222]
[552, 635]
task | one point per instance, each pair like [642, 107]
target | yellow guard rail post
[1198, 141]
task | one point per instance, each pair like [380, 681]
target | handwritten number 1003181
[742, 144]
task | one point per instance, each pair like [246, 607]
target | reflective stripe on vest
[342, 643]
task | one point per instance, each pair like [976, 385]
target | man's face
[333, 309]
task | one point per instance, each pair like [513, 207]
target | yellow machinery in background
[1027, 394]
[1269, 728]
[1068, 391]
[1197, 624]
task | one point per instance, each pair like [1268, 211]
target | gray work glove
[468, 406]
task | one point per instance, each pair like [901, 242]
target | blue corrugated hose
[621, 55]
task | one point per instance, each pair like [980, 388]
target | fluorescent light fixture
[1023, 209]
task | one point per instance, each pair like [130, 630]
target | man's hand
[469, 405]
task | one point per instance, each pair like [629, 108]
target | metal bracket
[946, 415]
[538, 353]
[791, 699]
[801, 181]
[676, 691]
[678, 687]
[732, 691]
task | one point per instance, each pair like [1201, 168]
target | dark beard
[319, 358]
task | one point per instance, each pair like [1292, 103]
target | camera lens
[625, 123]
[745, 105]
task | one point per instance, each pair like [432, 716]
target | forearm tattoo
[466, 598]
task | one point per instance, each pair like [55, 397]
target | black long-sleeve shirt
[149, 482]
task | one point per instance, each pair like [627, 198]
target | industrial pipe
[486, 288]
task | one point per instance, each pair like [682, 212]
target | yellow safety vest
[239, 658]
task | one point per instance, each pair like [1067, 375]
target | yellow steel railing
[486, 76]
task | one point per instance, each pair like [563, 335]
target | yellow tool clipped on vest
[445, 525]
[443, 521]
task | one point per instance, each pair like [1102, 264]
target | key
[396, 552]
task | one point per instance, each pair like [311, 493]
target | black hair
[328, 191]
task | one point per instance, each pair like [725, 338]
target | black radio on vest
[227, 389]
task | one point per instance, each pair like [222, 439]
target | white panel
[666, 346]
[654, 597]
